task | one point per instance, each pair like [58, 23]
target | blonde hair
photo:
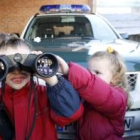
[118, 69]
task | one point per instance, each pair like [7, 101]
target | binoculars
[45, 65]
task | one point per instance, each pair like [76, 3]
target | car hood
[78, 49]
[124, 47]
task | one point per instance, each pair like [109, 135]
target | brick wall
[14, 14]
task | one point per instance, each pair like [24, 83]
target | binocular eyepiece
[45, 65]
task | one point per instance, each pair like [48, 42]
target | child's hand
[63, 66]
[51, 80]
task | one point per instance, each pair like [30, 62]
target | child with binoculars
[32, 110]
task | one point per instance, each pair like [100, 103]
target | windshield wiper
[88, 37]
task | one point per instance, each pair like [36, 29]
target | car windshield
[69, 26]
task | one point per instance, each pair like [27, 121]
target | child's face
[16, 79]
[101, 68]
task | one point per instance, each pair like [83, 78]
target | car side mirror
[124, 35]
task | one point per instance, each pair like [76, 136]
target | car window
[66, 26]
[47, 27]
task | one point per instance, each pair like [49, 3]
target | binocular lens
[2, 67]
[46, 65]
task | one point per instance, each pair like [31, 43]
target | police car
[74, 33]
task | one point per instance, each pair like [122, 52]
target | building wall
[14, 14]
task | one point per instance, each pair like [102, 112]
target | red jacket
[105, 106]
[16, 103]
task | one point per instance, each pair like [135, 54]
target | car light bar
[64, 8]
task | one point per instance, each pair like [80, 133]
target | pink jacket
[105, 106]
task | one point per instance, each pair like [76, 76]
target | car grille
[132, 79]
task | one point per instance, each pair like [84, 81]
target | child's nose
[16, 71]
